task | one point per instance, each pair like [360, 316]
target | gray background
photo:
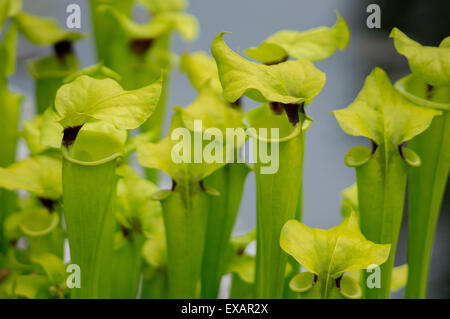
[251, 21]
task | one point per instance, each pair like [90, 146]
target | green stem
[277, 202]
[229, 181]
[9, 121]
[127, 265]
[381, 195]
[155, 284]
[185, 213]
[426, 190]
[89, 197]
[110, 49]
[8, 203]
[45, 92]
[294, 265]
[240, 289]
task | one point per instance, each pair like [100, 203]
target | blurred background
[251, 21]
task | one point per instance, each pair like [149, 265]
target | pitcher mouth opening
[140, 46]
[70, 134]
[62, 49]
[92, 143]
[403, 86]
[290, 125]
[67, 156]
[291, 110]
